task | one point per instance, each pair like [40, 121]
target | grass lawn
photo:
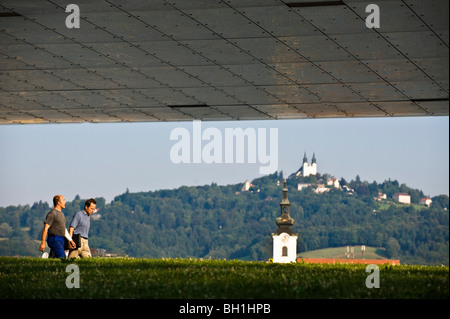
[210, 279]
[339, 252]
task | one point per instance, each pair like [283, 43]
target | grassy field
[206, 279]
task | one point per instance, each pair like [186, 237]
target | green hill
[340, 252]
[223, 222]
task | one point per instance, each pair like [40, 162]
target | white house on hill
[425, 201]
[334, 183]
[402, 198]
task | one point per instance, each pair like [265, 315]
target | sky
[104, 160]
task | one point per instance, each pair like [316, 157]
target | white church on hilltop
[307, 169]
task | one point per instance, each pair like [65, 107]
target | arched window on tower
[284, 251]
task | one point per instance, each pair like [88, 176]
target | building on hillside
[348, 190]
[307, 169]
[321, 189]
[285, 240]
[381, 197]
[246, 187]
[334, 183]
[403, 198]
[425, 201]
[300, 186]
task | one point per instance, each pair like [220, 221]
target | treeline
[222, 222]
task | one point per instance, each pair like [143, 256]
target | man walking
[55, 228]
[79, 230]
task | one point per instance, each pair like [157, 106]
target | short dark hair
[56, 200]
[89, 202]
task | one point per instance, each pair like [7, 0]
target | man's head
[59, 202]
[90, 205]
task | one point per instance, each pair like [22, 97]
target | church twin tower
[285, 240]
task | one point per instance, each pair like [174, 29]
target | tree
[5, 230]
[393, 248]
[440, 202]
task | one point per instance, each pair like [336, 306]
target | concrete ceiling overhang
[179, 60]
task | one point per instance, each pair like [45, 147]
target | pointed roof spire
[305, 159]
[285, 221]
[314, 158]
[285, 199]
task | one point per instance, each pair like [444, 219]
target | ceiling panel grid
[181, 60]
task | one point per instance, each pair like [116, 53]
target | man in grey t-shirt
[55, 228]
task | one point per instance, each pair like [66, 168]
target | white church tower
[306, 168]
[285, 240]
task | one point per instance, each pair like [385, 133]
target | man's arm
[44, 236]
[71, 229]
[73, 224]
[69, 238]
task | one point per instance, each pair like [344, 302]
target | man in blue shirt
[79, 230]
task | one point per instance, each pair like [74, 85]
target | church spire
[285, 240]
[305, 159]
[285, 221]
[314, 158]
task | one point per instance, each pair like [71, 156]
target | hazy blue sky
[103, 160]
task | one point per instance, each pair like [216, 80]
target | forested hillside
[223, 222]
